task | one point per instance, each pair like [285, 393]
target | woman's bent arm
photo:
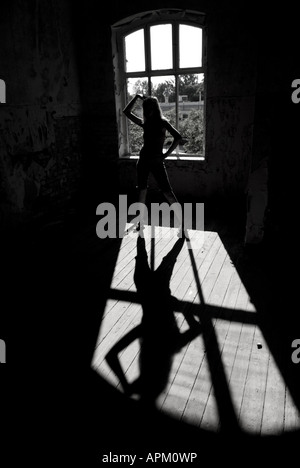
[128, 111]
[176, 139]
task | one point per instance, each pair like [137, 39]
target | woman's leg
[172, 200]
[142, 180]
[142, 200]
[160, 173]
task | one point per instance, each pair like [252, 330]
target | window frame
[144, 21]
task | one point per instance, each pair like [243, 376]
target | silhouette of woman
[160, 337]
[151, 159]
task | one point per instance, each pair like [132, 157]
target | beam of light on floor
[260, 398]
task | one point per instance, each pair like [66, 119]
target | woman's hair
[151, 108]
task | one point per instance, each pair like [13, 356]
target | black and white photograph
[149, 233]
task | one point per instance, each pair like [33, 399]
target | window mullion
[175, 48]
[176, 71]
[183, 71]
[148, 56]
[191, 71]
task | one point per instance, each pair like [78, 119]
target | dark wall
[40, 128]
[277, 118]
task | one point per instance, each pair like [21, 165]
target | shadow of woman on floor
[159, 334]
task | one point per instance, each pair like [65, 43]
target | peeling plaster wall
[40, 123]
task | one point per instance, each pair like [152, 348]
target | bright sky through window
[190, 48]
[161, 46]
[156, 80]
[135, 51]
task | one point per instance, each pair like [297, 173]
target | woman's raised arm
[128, 110]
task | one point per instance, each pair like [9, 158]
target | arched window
[162, 53]
[2, 92]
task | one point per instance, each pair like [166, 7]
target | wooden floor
[225, 374]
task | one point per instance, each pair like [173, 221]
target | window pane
[190, 46]
[135, 133]
[190, 109]
[137, 86]
[135, 51]
[161, 47]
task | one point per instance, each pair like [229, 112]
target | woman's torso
[154, 137]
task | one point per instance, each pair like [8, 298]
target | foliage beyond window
[191, 122]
